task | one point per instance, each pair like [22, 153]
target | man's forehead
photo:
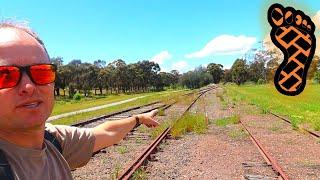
[10, 35]
[20, 48]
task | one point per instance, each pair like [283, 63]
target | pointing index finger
[154, 112]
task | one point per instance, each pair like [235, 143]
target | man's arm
[111, 132]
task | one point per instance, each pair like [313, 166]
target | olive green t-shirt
[48, 163]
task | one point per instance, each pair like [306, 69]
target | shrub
[77, 96]
[261, 81]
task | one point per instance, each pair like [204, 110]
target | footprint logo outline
[293, 33]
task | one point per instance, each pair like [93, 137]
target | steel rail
[79, 124]
[288, 121]
[266, 155]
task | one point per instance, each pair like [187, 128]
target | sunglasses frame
[26, 69]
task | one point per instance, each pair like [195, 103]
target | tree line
[114, 77]
[145, 75]
[262, 68]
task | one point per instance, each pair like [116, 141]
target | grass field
[303, 109]
[64, 105]
[150, 97]
[68, 105]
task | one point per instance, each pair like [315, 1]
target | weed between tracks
[161, 112]
[122, 149]
[235, 119]
[189, 123]
[140, 174]
[238, 134]
[116, 172]
[158, 130]
[224, 102]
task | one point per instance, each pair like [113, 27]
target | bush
[316, 78]
[77, 96]
[261, 81]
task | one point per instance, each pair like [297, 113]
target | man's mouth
[32, 105]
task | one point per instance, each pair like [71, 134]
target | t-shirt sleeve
[76, 143]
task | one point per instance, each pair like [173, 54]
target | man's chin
[32, 123]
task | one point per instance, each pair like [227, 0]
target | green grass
[116, 172]
[122, 149]
[158, 130]
[189, 123]
[161, 112]
[275, 127]
[235, 119]
[301, 109]
[87, 115]
[140, 174]
[64, 105]
[238, 134]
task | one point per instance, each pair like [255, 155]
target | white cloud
[160, 57]
[181, 66]
[225, 44]
[316, 19]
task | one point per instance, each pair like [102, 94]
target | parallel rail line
[314, 134]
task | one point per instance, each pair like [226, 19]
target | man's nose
[26, 86]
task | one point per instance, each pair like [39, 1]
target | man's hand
[111, 132]
[147, 118]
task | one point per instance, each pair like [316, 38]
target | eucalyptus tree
[216, 70]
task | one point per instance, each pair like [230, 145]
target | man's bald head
[7, 25]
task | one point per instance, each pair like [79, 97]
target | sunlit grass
[158, 130]
[63, 105]
[238, 134]
[140, 174]
[87, 115]
[301, 109]
[189, 123]
[122, 149]
[235, 119]
[66, 105]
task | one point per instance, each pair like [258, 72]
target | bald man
[27, 99]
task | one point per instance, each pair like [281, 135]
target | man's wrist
[136, 117]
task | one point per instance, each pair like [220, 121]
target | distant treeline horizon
[145, 75]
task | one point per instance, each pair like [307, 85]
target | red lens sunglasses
[39, 74]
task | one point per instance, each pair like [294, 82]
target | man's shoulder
[57, 128]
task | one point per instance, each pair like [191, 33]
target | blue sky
[178, 34]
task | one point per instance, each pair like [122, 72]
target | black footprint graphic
[293, 33]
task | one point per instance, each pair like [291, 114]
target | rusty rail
[288, 121]
[79, 124]
[266, 155]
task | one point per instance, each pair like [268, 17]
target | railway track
[270, 160]
[267, 155]
[106, 162]
[312, 133]
[135, 165]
